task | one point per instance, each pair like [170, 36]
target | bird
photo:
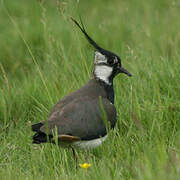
[77, 120]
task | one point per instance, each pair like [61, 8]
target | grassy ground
[43, 57]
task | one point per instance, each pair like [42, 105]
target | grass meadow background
[44, 57]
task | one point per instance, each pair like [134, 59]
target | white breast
[89, 144]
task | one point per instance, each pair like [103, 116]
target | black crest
[110, 55]
[92, 42]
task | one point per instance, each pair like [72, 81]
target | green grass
[44, 57]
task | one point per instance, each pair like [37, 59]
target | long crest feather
[91, 41]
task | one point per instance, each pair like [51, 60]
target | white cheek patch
[103, 72]
[115, 60]
[99, 58]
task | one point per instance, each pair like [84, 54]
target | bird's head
[106, 63]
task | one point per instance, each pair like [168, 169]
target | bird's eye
[111, 61]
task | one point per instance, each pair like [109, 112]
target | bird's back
[80, 114]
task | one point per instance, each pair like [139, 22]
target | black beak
[122, 70]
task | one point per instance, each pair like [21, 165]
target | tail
[40, 137]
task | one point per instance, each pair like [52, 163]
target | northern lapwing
[77, 118]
